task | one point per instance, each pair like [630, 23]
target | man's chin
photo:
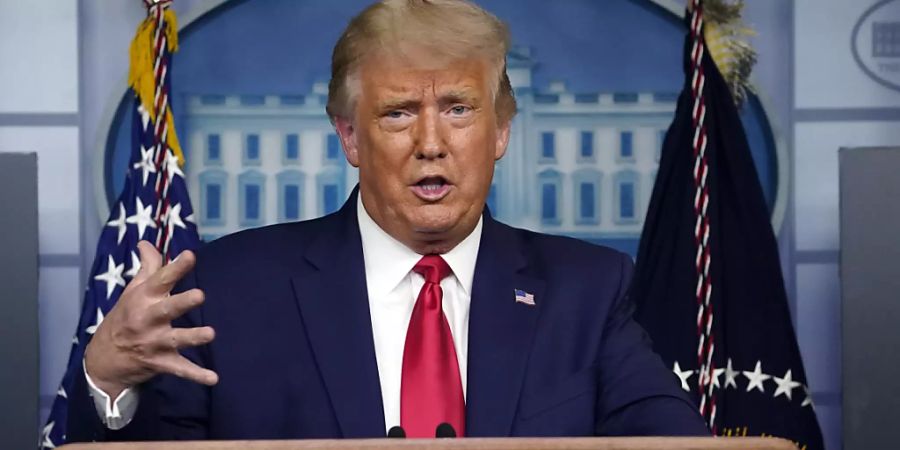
[432, 230]
[439, 227]
[436, 227]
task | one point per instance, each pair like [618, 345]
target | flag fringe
[726, 38]
[140, 74]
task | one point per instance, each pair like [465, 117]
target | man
[409, 307]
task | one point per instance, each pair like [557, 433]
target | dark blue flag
[153, 206]
[708, 283]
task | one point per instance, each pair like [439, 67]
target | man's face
[425, 140]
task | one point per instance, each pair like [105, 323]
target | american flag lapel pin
[524, 297]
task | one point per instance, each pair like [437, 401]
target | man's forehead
[425, 85]
[403, 78]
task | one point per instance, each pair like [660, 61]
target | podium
[625, 443]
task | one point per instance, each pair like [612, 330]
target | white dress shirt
[392, 289]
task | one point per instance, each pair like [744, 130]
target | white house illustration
[579, 164]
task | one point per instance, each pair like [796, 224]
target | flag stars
[172, 166]
[785, 385]
[142, 217]
[715, 377]
[93, 328]
[135, 265]
[730, 376]
[146, 163]
[112, 277]
[145, 116]
[683, 375]
[46, 442]
[808, 400]
[173, 219]
[119, 223]
[756, 378]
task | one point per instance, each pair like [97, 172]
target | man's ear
[348, 137]
[502, 139]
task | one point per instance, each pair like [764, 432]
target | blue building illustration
[579, 163]
[256, 160]
[886, 39]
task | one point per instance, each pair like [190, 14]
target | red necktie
[431, 389]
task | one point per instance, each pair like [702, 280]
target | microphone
[445, 430]
[396, 432]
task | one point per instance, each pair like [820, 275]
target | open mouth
[431, 189]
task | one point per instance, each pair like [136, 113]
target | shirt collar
[462, 258]
[388, 261]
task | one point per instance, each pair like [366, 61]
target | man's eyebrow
[392, 103]
[462, 95]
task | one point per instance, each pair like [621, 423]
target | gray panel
[870, 272]
[38, 119]
[847, 114]
[18, 301]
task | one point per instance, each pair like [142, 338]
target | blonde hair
[446, 29]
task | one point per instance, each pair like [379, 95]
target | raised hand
[136, 339]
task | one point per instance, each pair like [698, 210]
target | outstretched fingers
[167, 309]
[162, 282]
[182, 367]
[190, 337]
[151, 261]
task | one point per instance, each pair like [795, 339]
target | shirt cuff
[114, 414]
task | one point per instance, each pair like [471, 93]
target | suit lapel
[334, 306]
[500, 331]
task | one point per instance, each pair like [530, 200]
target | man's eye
[459, 109]
[395, 114]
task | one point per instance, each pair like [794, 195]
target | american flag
[524, 297]
[153, 205]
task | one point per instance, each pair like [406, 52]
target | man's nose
[430, 143]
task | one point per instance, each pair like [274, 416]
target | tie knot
[433, 268]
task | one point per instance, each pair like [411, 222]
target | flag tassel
[142, 76]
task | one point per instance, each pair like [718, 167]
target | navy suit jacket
[296, 358]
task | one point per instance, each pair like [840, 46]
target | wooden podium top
[632, 443]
